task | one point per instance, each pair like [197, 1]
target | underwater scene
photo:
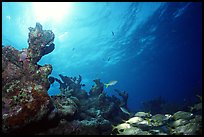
[102, 68]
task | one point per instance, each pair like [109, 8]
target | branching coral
[124, 96]
[97, 89]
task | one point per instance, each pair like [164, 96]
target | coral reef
[93, 110]
[25, 83]
[28, 109]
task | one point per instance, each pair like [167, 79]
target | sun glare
[50, 11]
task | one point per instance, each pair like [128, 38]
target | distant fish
[113, 33]
[108, 58]
[83, 85]
[124, 110]
[111, 83]
[73, 49]
[51, 79]
[8, 17]
[200, 97]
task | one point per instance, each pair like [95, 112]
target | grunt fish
[111, 83]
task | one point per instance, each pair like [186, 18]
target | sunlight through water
[51, 11]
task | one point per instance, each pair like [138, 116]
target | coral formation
[124, 96]
[38, 41]
[25, 84]
[97, 88]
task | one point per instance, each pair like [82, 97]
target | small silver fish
[124, 110]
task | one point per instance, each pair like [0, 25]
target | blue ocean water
[151, 48]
